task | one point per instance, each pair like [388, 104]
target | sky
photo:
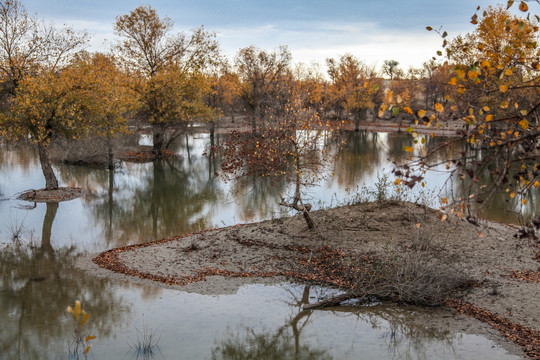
[313, 30]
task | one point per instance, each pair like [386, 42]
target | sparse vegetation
[81, 341]
[145, 346]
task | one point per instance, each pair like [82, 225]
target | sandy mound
[56, 195]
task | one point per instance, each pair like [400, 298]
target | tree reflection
[361, 153]
[37, 282]
[283, 343]
[257, 197]
[167, 198]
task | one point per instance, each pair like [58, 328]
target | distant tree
[226, 91]
[390, 68]
[354, 86]
[113, 97]
[171, 70]
[262, 74]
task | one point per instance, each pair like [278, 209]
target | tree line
[50, 87]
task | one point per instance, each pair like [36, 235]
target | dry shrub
[411, 277]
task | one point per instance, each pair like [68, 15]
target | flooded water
[140, 202]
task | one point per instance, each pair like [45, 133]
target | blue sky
[313, 30]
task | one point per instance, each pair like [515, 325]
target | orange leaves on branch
[408, 149]
[523, 6]
[439, 107]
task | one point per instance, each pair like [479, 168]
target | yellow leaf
[421, 113]
[444, 200]
[486, 108]
[390, 96]
[417, 225]
[460, 74]
[461, 89]
[472, 74]
[77, 310]
[524, 124]
[508, 72]
[503, 88]
[397, 182]
[408, 149]
[408, 110]
[409, 129]
[87, 349]
[485, 64]
[489, 117]
[453, 81]
[89, 337]
[444, 217]
[536, 184]
[399, 99]
[523, 7]
[512, 195]
[524, 201]
[504, 105]
[439, 107]
[382, 110]
[85, 318]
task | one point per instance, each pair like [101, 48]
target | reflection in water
[36, 282]
[371, 332]
[140, 202]
[283, 343]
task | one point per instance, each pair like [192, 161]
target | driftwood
[336, 300]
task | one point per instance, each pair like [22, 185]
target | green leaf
[395, 111]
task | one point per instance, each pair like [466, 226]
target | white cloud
[318, 41]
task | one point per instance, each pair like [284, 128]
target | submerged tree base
[54, 195]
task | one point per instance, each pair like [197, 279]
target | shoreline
[219, 260]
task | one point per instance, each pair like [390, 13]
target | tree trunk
[159, 139]
[212, 132]
[51, 183]
[110, 155]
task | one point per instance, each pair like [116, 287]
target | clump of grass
[15, 226]
[146, 344]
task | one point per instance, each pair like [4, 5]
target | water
[140, 202]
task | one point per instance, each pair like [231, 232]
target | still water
[140, 202]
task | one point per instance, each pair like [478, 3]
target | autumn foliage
[493, 90]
